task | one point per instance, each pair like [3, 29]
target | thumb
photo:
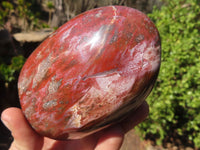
[24, 136]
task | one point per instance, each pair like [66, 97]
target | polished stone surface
[90, 72]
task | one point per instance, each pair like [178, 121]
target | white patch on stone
[42, 69]
[99, 14]
[152, 56]
[148, 54]
[75, 119]
[54, 85]
[24, 84]
[139, 47]
[115, 14]
[38, 56]
[50, 104]
[67, 33]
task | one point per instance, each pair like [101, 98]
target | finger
[24, 136]
[87, 143]
[135, 117]
[111, 139]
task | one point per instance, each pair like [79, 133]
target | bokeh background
[174, 119]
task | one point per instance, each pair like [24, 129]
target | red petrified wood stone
[90, 72]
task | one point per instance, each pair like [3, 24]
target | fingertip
[23, 134]
[7, 115]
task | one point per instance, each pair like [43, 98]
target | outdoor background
[174, 119]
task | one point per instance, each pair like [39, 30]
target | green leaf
[174, 102]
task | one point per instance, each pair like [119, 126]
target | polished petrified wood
[90, 72]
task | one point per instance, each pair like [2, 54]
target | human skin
[111, 138]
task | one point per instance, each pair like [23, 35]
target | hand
[25, 138]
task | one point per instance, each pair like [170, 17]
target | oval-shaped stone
[90, 72]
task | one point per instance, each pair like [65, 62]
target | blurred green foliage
[21, 9]
[175, 100]
[25, 12]
[5, 11]
[8, 71]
